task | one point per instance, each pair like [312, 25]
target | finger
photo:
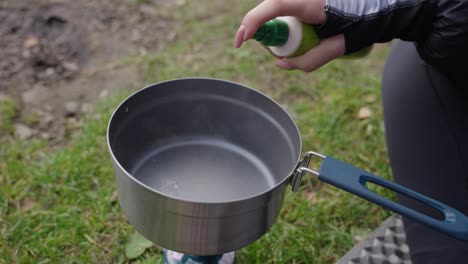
[239, 37]
[262, 13]
[312, 12]
[328, 49]
[285, 65]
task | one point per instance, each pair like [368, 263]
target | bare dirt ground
[59, 56]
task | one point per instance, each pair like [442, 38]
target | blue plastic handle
[353, 180]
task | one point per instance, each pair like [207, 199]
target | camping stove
[172, 257]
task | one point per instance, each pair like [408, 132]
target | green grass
[61, 207]
[8, 110]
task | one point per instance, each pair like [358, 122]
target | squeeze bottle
[287, 36]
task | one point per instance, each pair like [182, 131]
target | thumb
[328, 50]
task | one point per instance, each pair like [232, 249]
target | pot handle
[353, 180]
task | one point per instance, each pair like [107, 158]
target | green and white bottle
[287, 36]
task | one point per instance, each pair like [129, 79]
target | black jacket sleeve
[438, 27]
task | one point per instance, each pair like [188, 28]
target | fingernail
[283, 64]
[239, 36]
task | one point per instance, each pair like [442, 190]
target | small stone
[136, 35]
[71, 108]
[143, 51]
[171, 36]
[70, 66]
[46, 136]
[27, 204]
[49, 72]
[370, 98]
[86, 108]
[364, 113]
[73, 122]
[30, 42]
[359, 238]
[22, 131]
[113, 198]
[46, 120]
[34, 94]
[104, 93]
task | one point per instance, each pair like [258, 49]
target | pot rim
[148, 188]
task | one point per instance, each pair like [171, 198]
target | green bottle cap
[273, 33]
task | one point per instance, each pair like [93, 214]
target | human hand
[308, 11]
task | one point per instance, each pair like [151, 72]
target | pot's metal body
[226, 220]
[197, 228]
[200, 229]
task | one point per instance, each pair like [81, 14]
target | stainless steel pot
[202, 166]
